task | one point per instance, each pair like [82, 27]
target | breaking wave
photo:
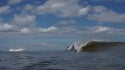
[94, 46]
[76, 46]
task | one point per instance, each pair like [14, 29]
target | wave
[76, 46]
[94, 46]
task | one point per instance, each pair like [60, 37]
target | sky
[54, 23]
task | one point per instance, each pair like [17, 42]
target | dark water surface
[63, 60]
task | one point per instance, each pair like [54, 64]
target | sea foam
[16, 50]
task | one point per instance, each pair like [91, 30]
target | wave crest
[94, 46]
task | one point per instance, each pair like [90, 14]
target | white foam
[16, 50]
[77, 45]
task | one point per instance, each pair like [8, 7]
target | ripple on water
[37, 66]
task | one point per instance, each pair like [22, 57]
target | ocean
[113, 59]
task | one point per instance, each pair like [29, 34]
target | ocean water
[113, 59]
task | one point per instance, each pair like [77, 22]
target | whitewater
[93, 45]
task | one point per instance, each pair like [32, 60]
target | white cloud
[28, 7]
[25, 30]
[69, 30]
[101, 29]
[50, 29]
[63, 8]
[66, 23]
[20, 23]
[14, 1]
[4, 9]
[102, 14]
[70, 27]
[24, 19]
[6, 27]
[106, 30]
[84, 11]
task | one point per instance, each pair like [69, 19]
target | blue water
[63, 60]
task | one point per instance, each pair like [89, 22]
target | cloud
[71, 27]
[102, 14]
[6, 27]
[28, 7]
[24, 19]
[69, 30]
[106, 30]
[25, 30]
[68, 27]
[71, 8]
[62, 8]
[4, 9]
[84, 11]
[101, 29]
[50, 29]
[14, 1]
[66, 23]
[20, 23]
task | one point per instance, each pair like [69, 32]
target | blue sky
[61, 20]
